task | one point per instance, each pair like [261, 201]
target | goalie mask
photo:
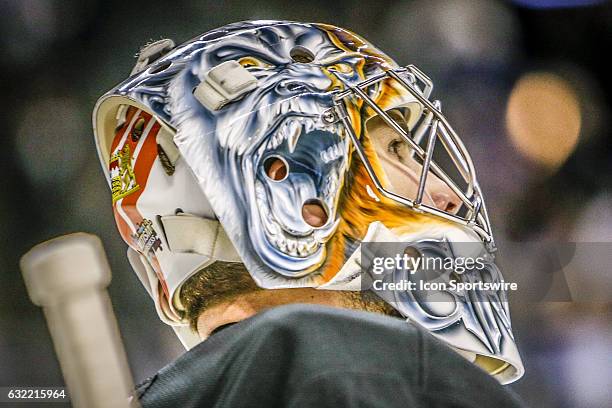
[288, 147]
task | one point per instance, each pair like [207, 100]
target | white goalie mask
[288, 147]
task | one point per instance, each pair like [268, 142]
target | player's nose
[443, 196]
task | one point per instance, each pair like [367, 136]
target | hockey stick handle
[68, 277]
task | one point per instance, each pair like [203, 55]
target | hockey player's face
[403, 171]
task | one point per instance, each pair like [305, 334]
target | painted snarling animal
[268, 161]
[282, 119]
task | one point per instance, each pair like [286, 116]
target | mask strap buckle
[150, 53]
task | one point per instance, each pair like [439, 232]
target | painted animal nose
[309, 84]
[303, 77]
[314, 213]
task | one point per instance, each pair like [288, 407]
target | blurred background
[525, 82]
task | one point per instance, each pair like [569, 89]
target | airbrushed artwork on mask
[297, 182]
[286, 183]
[279, 177]
[282, 164]
[273, 169]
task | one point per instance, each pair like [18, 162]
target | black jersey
[315, 356]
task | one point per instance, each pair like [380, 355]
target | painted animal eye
[341, 67]
[248, 62]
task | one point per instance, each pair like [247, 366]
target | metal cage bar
[476, 215]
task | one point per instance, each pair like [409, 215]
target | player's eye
[396, 147]
[252, 62]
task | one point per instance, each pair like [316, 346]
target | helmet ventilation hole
[276, 168]
[412, 252]
[301, 54]
[314, 213]
[137, 129]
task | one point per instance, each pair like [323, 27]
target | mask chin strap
[187, 233]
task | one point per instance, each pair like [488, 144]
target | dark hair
[223, 281]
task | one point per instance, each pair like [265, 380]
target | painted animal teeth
[324, 156]
[331, 184]
[332, 152]
[301, 249]
[292, 246]
[309, 125]
[283, 241]
[292, 128]
[293, 133]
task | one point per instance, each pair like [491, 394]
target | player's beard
[223, 282]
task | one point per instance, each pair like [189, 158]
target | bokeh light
[543, 118]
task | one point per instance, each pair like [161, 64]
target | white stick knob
[68, 277]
